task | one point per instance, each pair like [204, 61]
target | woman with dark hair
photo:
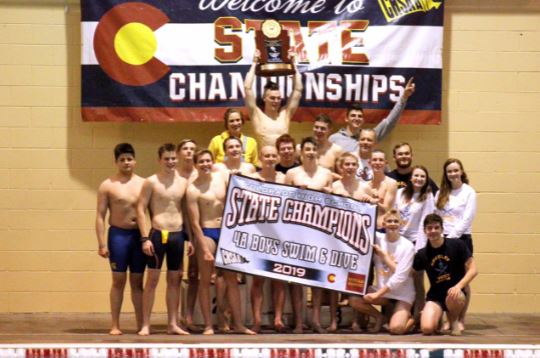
[414, 202]
[456, 204]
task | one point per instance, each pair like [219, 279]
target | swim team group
[421, 228]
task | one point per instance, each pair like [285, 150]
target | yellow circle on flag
[135, 43]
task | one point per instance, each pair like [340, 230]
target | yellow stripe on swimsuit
[164, 236]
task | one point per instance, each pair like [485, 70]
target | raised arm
[386, 125]
[250, 99]
[296, 95]
[101, 212]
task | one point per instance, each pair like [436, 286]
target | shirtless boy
[233, 164]
[185, 151]
[368, 139]
[383, 187]
[162, 194]
[233, 159]
[309, 176]
[206, 201]
[273, 120]
[269, 158]
[118, 195]
[348, 185]
[327, 151]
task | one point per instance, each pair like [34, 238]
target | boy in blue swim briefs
[205, 203]
[118, 196]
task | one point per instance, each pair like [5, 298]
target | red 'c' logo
[124, 43]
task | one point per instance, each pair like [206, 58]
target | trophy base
[274, 69]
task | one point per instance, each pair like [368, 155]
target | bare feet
[445, 326]
[456, 329]
[193, 328]
[223, 319]
[332, 328]
[244, 330]
[115, 331]
[356, 328]
[224, 329]
[318, 329]
[176, 330]
[208, 331]
[145, 331]
[280, 328]
[256, 328]
[298, 329]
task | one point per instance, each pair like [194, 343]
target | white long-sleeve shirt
[413, 214]
[459, 211]
[400, 282]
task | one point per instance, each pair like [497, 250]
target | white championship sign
[297, 235]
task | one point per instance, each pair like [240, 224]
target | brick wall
[51, 162]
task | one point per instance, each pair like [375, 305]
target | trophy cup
[273, 44]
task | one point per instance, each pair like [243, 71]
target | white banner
[297, 235]
[398, 51]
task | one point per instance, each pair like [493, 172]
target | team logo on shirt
[440, 265]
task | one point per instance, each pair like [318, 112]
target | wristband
[144, 239]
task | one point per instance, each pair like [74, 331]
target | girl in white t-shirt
[415, 202]
[394, 287]
[456, 202]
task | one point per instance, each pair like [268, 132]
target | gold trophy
[273, 44]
